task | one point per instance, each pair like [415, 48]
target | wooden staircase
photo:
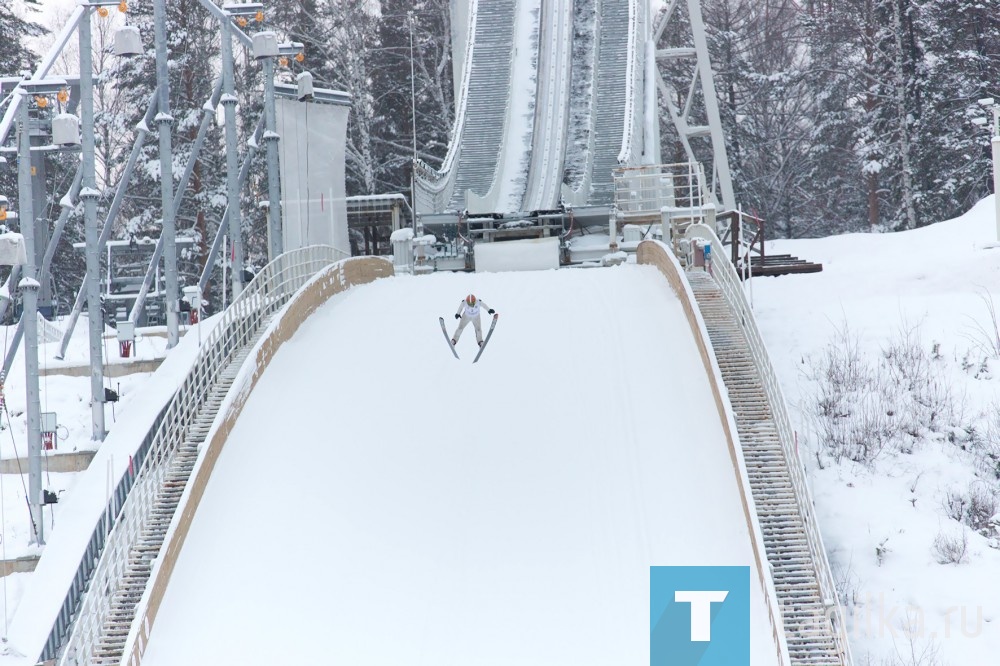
[114, 635]
[808, 632]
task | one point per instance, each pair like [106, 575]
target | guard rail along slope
[659, 255]
[112, 572]
[815, 629]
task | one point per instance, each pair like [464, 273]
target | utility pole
[413, 121]
[271, 139]
[92, 233]
[29, 315]
[164, 121]
[229, 101]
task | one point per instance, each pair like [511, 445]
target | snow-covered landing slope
[379, 502]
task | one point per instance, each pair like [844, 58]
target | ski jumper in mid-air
[469, 311]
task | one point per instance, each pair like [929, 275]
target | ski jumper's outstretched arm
[484, 306]
[461, 309]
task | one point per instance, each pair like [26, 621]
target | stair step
[775, 498]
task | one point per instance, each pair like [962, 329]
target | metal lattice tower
[694, 109]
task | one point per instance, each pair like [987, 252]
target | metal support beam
[703, 81]
[15, 273]
[90, 195]
[29, 315]
[219, 13]
[39, 178]
[42, 71]
[208, 114]
[206, 272]
[229, 101]
[721, 158]
[271, 138]
[140, 140]
[164, 122]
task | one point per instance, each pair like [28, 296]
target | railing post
[735, 227]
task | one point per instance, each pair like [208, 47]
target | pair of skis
[482, 347]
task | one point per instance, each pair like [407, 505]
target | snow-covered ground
[69, 398]
[379, 502]
[914, 310]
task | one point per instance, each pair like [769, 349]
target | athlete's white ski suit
[469, 313]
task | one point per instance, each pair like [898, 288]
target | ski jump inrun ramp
[550, 97]
[379, 502]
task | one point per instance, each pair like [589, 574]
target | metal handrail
[78, 626]
[634, 50]
[729, 283]
[646, 190]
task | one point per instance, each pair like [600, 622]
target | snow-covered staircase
[110, 647]
[610, 87]
[488, 96]
[811, 639]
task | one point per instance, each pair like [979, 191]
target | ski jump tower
[550, 104]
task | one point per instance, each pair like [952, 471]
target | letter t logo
[701, 611]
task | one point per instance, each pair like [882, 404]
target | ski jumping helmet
[471, 299]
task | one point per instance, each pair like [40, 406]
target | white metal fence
[732, 288]
[648, 190]
[86, 607]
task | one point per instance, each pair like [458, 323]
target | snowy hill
[499, 513]
[890, 362]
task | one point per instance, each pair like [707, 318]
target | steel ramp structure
[501, 162]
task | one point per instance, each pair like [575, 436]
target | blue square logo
[699, 616]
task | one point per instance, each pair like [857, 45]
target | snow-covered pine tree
[896, 79]
[432, 78]
[344, 35]
[836, 187]
[758, 53]
[953, 165]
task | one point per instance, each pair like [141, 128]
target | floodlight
[265, 44]
[128, 42]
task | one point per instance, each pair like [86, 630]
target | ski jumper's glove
[492, 311]
[458, 316]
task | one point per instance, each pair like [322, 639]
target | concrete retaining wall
[24, 564]
[114, 369]
[76, 461]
